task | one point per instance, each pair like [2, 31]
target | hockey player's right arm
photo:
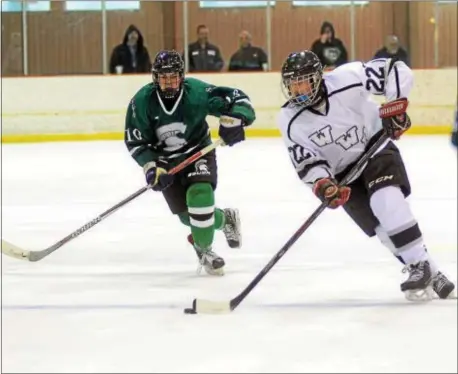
[135, 139]
[315, 172]
[139, 145]
[309, 165]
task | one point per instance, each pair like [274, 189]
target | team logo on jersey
[172, 135]
[348, 139]
[322, 137]
[201, 168]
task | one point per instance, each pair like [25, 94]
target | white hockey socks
[398, 229]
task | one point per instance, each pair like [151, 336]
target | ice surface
[112, 300]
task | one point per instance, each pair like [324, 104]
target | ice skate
[443, 287]
[418, 286]
[209, 260]
[232, 228]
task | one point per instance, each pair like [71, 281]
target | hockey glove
[395, 120]
[328, 190]
[231, 130]
[157, 177]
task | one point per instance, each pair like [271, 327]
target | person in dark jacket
[204, 56]
[329, 49]
[248, 57]
[131, 56]
[393, 48]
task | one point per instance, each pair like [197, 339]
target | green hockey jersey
[156, 133]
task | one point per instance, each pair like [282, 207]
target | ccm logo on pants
[380, 179]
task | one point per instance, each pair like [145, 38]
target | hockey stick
[215, 307]
[23, 254]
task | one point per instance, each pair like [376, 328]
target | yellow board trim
[250, 133]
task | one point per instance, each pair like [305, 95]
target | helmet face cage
[303, 94]
[168, 62]
[302, 75]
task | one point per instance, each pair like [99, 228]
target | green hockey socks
[203, 217]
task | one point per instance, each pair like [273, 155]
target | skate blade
[215, 272]
[420, 295]
[210, 271]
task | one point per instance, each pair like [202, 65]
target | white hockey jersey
[324, 143]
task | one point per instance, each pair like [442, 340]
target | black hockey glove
[395, 120]
[157, 176]
[231, 130]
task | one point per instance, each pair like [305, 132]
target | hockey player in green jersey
[165, 124]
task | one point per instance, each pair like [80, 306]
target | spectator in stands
[248, 57]
[204, 56]
[329, 49]
[131, 56]
[393, 48]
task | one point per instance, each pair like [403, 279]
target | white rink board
[112, 300]
[97, 104]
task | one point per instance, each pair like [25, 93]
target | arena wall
[93, 107]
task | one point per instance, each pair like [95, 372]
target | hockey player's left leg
[396, 219]
[201, 209]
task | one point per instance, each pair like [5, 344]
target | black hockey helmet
[302, 75]
[168, 72]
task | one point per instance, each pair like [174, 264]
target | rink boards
[61, 108]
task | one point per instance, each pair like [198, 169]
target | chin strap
[163, 106]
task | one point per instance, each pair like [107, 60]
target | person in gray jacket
[203, 56]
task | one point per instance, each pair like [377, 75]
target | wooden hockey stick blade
[14, 251]
[202, 306]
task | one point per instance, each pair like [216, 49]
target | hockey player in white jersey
[328, 122]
